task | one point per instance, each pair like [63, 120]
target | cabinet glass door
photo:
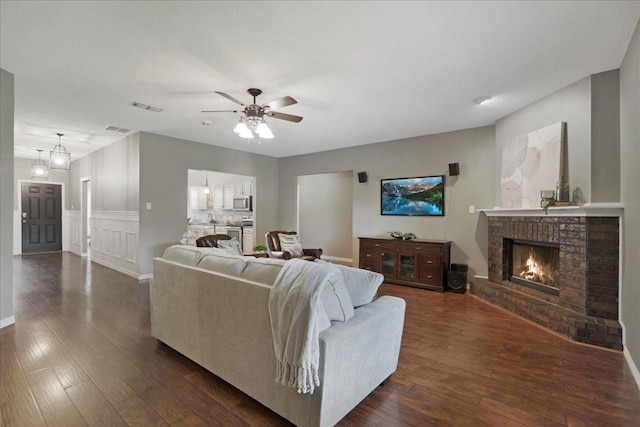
[388, 264]
[407, 266]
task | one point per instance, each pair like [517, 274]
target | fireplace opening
[533, 264]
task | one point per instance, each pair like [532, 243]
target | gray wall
[114, 173]
[630, 195]
[6, 193]
[605, 137]
[425, 155]
[589, 107]
[326, 207]
[164, 162]
[571, 105]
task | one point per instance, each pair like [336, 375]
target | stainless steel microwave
[242, 203]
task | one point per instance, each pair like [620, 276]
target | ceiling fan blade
[279, 103]
[229, 97]
[220, 111]
[283, 116]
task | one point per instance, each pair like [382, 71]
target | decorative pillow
[336, 300]
[361, 284]
[291, 243]
[230, 246]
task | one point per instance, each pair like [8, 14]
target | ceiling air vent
[117, 129]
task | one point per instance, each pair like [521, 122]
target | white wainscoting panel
[74, 230]
[114, 240]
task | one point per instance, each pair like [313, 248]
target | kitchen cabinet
[198, 197]
[419, 263]
[243, 189]
[229, 193]
[247, 240]
[218, 197]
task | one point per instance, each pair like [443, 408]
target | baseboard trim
[7, 321]
[145, 276]
[117, 268]
[632, 366]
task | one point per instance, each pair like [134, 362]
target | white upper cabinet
[198, 197]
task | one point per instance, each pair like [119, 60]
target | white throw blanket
[293, 309]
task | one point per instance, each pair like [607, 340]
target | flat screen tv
[419, 196]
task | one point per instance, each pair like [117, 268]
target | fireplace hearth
[560, 271]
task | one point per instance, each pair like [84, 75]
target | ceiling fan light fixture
[266, 133]
[59, 157]
[39, 168]
[262, 128]
[241, 127]
[246, 134]
[252, 124]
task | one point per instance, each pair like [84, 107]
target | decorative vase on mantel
[562, 190]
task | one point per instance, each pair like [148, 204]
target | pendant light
[206, 184]
[39, 168]
[59, 158]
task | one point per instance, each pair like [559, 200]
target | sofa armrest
[316, 253]
[280, 254]
[358, 355]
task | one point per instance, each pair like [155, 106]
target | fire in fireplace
[533, 264]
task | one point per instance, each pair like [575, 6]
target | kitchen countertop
[231, 224]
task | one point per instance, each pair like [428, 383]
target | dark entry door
[41, 217]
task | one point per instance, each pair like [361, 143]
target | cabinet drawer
[368, 244]
[431, 276]
[430, 261]
[366, 264]
[428, 249]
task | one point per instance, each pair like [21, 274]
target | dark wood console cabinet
[419, 263]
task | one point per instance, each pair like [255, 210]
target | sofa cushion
[223, 263]
[361, 284]
[263, 270]
[188, 255]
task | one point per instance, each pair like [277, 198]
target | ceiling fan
[253, 122]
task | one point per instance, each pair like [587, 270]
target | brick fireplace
[580, 301]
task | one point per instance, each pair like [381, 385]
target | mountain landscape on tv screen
[413, 196]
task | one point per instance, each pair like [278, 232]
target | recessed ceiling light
[482, 100]
[146, 107]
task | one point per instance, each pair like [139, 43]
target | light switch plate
[472, 209]
[148, 205]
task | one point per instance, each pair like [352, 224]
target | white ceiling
[362, 72]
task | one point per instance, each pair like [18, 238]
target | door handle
[24, 214]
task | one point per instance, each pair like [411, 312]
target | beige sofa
[213, 308]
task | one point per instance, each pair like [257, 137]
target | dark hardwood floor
[81, 353]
